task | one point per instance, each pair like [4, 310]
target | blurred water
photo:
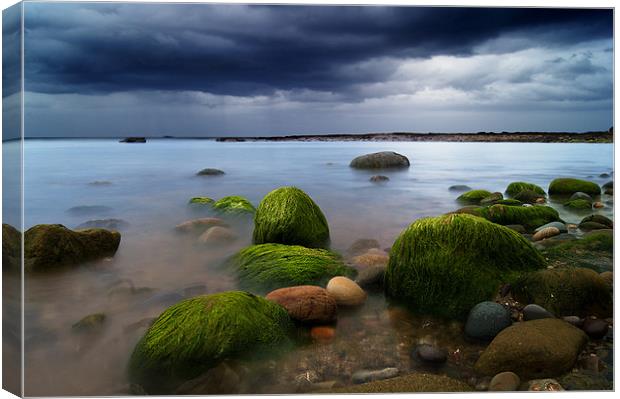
[150, 186]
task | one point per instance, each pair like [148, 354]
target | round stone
[595, 328]
[535, 312]
[345, 291]
[431, 354]
[506, 381]
[486, 320]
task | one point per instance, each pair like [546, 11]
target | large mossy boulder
[569, 186]
[473, 196]
[266, 267]
[416, 382]
[567, 291]
[533, 349]
[446, 265]
[234, 205]
[289, 216]
[529, 217]
[380, 160]
[47, 246]
[196, 334]
[515, 188]
[11, 248]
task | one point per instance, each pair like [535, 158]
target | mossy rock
[234, 205]
[509, 202]
[196, 334]
[569, 186]
[380, 160]
[473, 196]
[578, 205]
[416, 382]
[515, 188]
[201, 201]
[266, 267]
[446, 265]
[566, 291]
[494, 198]
[600, 219]
[528, 196]
[593, 251]
[529, 217]
[289, 216]
[48, 246]
[90, 323]
[11, 248]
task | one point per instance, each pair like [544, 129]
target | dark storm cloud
[252, 50]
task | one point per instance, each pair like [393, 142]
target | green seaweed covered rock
[473, 196]
[196, 334]
[529, 197]
[234, 205]
[566, 291]
[287, 215]
[569, 186]
[529, 217]
[47, 246]
[515, 188]
[266, 267]
[446, 265]
[578, 205]
[201, 201]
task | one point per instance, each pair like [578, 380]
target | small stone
[535, 312]
[547, 384]
[322, 334]
[546, 233]
[374, 257]
[558, 225]
[109, 224]
[362, 246]
[362, 376]
[574, 320]
[210, 172]
[431, 354]
[346, 292]
[604, 175]
[379, 179]
[459, 188]
[486, 320]
[506, 381]
[217, 235]
[595, 328]
[598, 205]
[306, 303]
[371, 277]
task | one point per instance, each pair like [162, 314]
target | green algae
[515, 188]
[569, 186]
[578, 205]
[509, 202]
[445, 265]
[201, 200]
[266, 267]
[234, 205]
[197, 333]
[473, 196]
[287, 215]
[529, 217]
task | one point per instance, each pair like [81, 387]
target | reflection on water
[149, 186]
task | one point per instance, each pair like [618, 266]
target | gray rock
[89, 210]
[486, 320]
[362, 245]
[459, 188]
[604, 175]
[580, 195]
[535, 312]
[109, 224]
[380, 160]
[430, 354]
[371, 277]
[362, 376]
[210, 172]
[574, 320]
[558, 225]
[379, 179]
[595, 328]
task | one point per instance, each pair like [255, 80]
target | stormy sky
[214, 70]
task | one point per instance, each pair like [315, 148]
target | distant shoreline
[481, 137]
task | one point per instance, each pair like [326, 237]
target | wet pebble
[362, 376]
[574, 320]
[346, 292]
[535, 312]
[486, 320]
[547, 232]
[506, 381]
[595, 328]
[430, 354]
[547, 384]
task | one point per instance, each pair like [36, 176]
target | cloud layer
[235, 69]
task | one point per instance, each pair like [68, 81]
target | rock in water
[533, 349]
[580, 196]
[306, 303]
[47, 246]
[464, 255]
[196, 334]
[517, 187]
[374, 257]
[379, 179]
[473, 196]
[201, 201]
[89, 210]
[287, 215]
[346, 292]
[199, 225]
[486, 320]
[322, 334]
[529, 217]
[362, 376]
[108, 224]
[210, 172]
[372, 276]
[234, 205]
[11, 248]
[565, 291]
[547, 232]
[380, 160]
[491, 199]
[459, 187]
[362, 246]
[535, 312]
[569, 186]
[266, 267]
[217, 235]
[558, 225]
[89, 323]
[430, 354]
[505, 381]
[600, 219]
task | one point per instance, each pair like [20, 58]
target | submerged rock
[463, 255]
[486, 320]
[595, 328]
[578, 205]
[380, 160]
[565, 291]
[218, 235]
[11, 248]
[529, 197]
[198, 333]
[210, 172]
[199, 225]
[306, 303]
[361, 246]
[371, 277]
[569, 186]
[533, 349]
[90, 323]
[89, 210]
[580, 196]
[430, 354]
[459, 187]
[266, 267]
[47, 246]
[234, 205]
[379, 179]
[287, 215]
[346, 292]
[108, 224]
[374, 257]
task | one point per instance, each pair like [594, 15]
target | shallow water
[150, 186]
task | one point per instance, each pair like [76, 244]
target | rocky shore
[480, 137]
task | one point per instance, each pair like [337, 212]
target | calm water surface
[153, 268]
